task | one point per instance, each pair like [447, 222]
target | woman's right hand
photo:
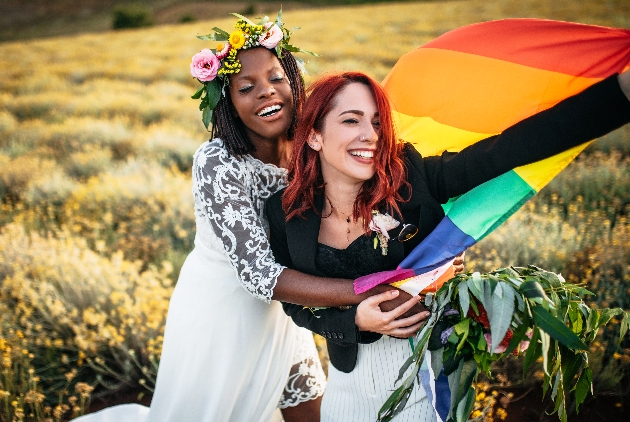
[370, 317]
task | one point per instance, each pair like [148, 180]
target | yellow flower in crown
[237, 39]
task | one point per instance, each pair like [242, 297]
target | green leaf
[385, 412]
[464, 299]
[197, 94]
[213, 92]
[592, 323]
[465, 406]
[546, 343]
[571, 364]
[583, 387]
[623, 328]
[462, 328]
[533, 352]
[291, 48]
[532, 289]
[487, 298]
[436, 361]
[238, 15]
[404, 368]
[220, 35]
[519, 300]
[475, 285]
[203, 103]
[468, 373]
[556, 328]
[206, 117]
[551, 278]
[516, 281]
[607, 314]
[575, 316]
[502, 311]
[279, 17]
[403, 401]
[209, 37]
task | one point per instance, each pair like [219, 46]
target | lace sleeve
[223, 199]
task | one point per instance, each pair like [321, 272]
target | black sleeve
[331, 323]
[599, 109]
[278, 230]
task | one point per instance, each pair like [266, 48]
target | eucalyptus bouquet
[480, 318]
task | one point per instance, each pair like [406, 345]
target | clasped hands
[393, 312]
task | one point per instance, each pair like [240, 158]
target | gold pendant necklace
[347, 217]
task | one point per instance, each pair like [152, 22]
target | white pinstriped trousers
[357, 396]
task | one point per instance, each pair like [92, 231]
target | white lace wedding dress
[230, 353]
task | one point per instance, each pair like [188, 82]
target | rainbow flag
[472, 83]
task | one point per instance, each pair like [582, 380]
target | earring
[314, 147]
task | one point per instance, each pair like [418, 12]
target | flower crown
[212, 67]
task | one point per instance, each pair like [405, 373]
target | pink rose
[205, 65]
[272, 37]
[502, 347]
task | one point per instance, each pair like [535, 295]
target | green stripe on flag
[482, 209]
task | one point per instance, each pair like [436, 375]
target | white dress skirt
[358, 396]
[230, 353]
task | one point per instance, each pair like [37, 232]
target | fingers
[459, 259]
[400, 310]
[458, 269]
[410, 320]
[406, 332]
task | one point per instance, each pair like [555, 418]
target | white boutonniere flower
[381, 224]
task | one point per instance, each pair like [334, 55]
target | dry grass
[97, 133]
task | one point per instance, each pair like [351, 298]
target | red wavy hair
[305, 176]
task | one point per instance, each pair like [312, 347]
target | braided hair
[231, 129]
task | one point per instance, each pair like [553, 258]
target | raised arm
[599, 109]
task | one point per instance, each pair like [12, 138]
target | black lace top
[358, 259]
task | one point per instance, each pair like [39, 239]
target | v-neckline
[344, 249]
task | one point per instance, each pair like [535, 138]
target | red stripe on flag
[564, 47]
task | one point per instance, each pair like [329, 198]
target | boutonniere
[381, 224]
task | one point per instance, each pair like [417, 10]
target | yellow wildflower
[237, 39]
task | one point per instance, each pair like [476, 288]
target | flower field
[97, 133]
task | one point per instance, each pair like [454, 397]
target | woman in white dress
[230, 353]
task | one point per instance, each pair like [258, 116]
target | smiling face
[349, 136]
[261, 95]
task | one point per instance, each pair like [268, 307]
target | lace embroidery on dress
[307, 380]
[230, 194]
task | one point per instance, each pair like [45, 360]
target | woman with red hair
[351, 184]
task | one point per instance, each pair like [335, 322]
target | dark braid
[231, 129]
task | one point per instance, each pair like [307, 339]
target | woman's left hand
[369, 316]
[458, 264]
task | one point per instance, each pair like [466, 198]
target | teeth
[363, 154]
[269, 110]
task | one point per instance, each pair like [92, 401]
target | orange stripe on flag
[456, 93]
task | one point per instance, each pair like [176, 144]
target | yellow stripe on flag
[432, 138]
[538, 174]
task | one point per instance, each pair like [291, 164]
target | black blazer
[596, 111]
